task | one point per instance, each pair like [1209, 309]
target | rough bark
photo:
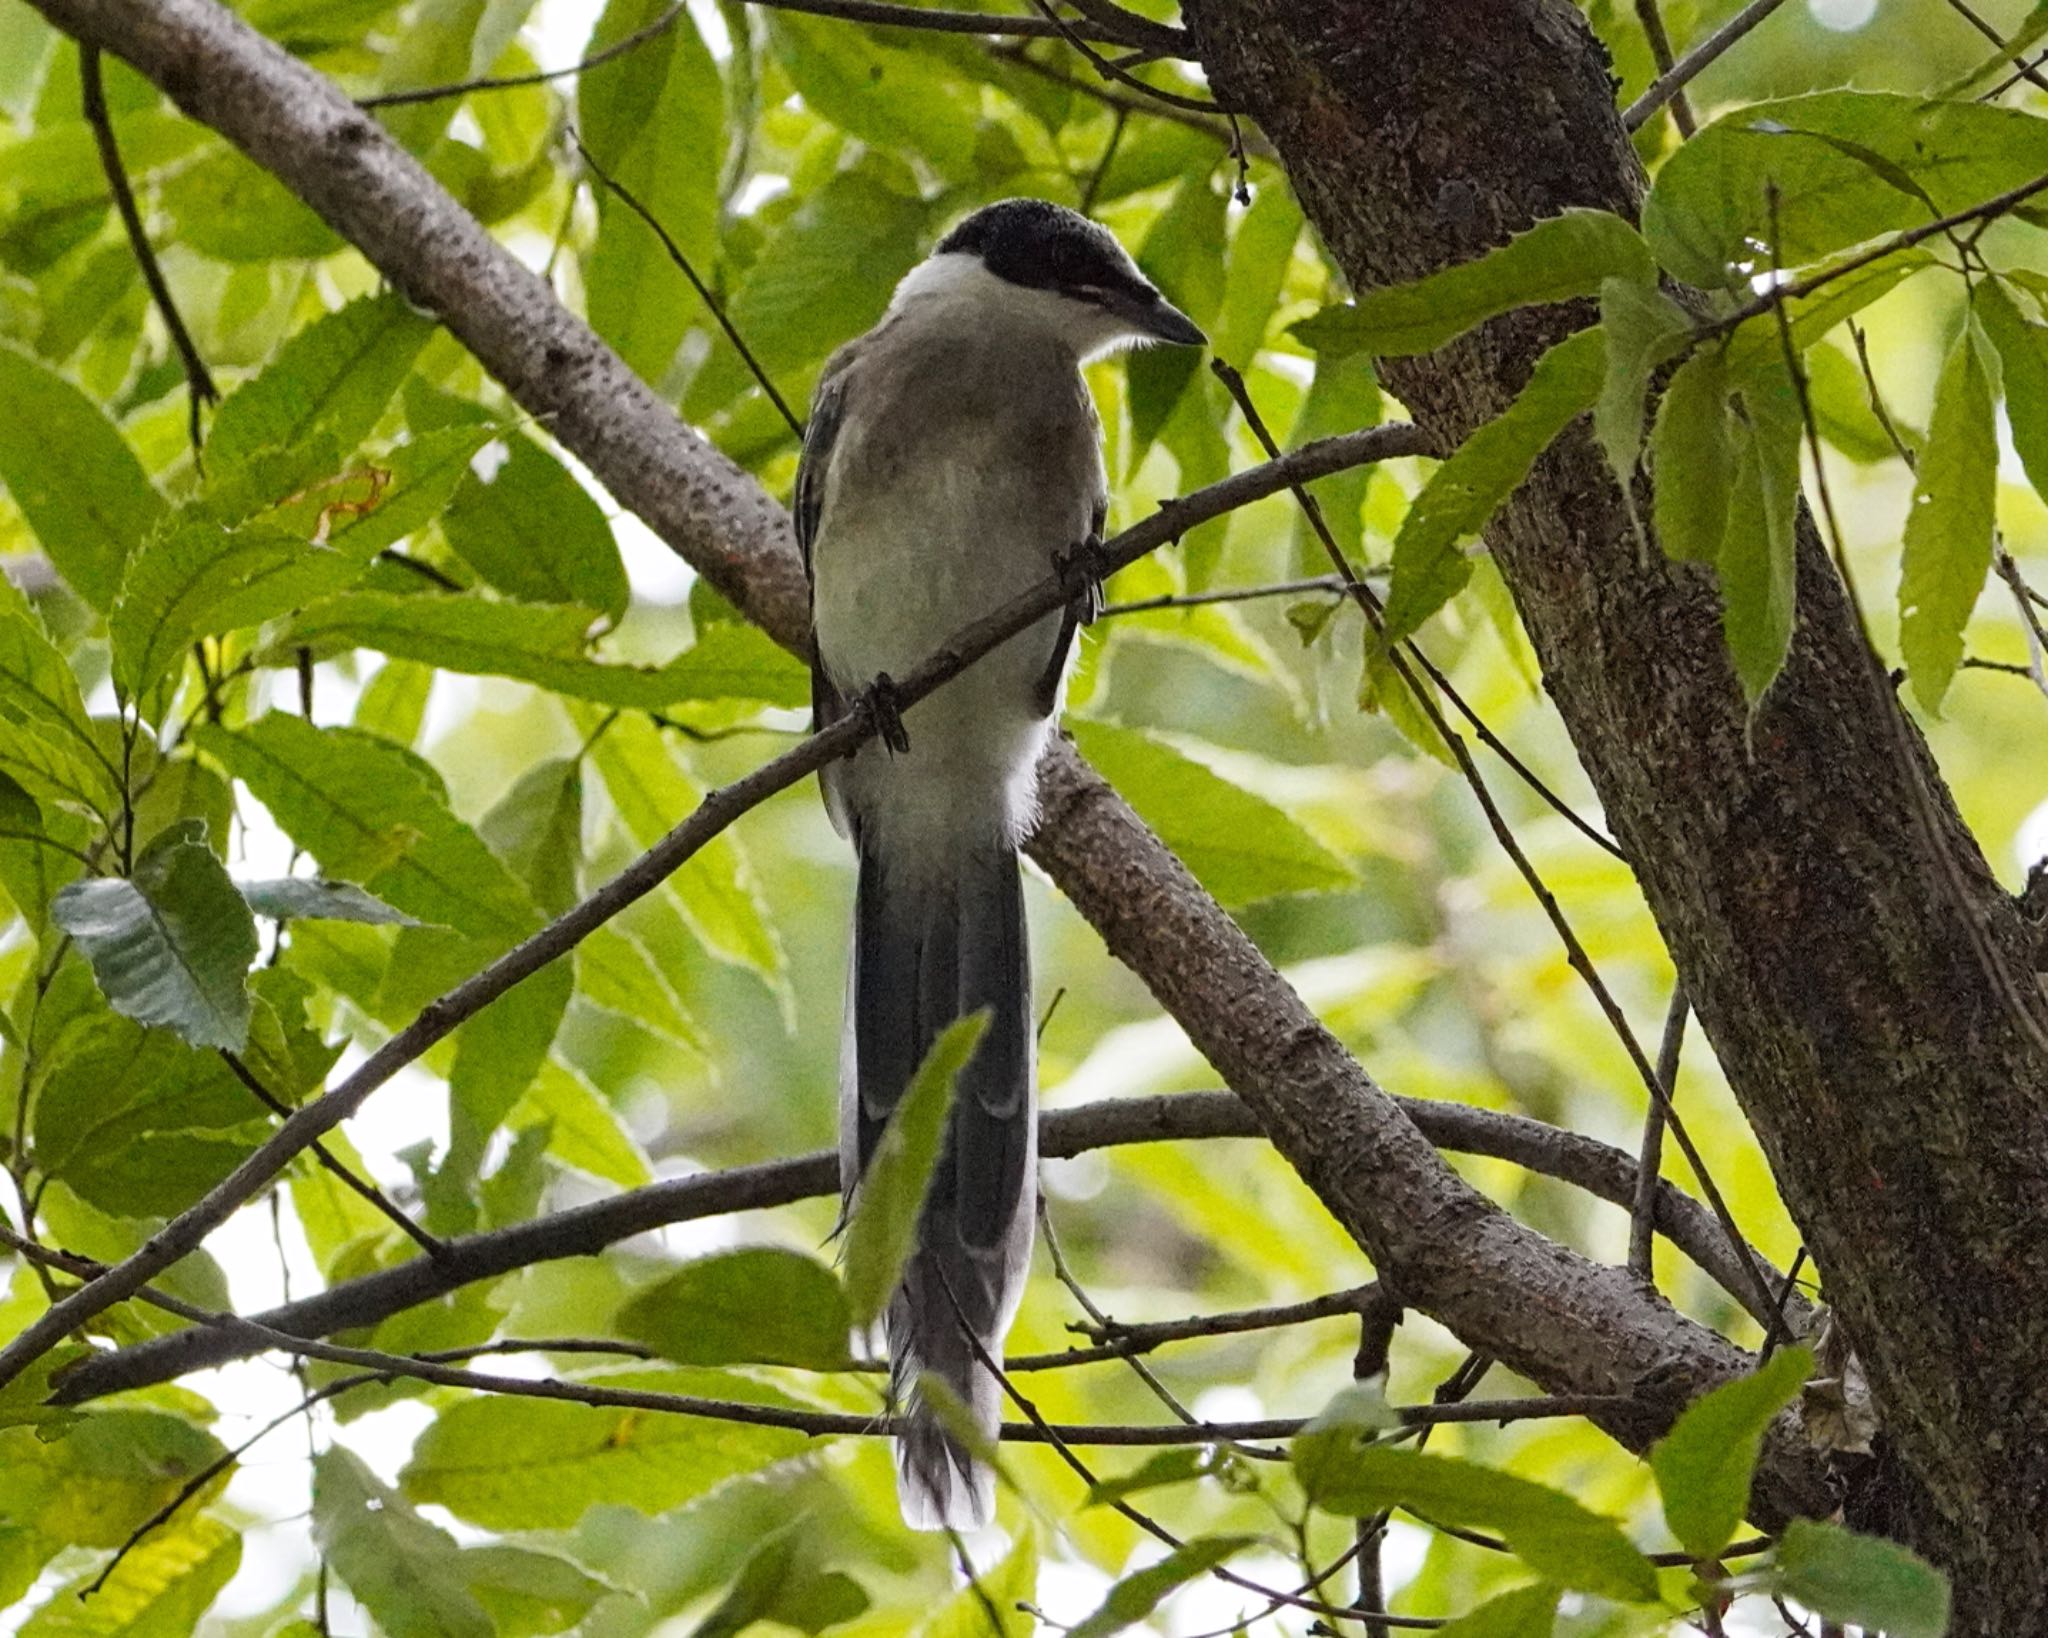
[1566, 1323]
[1839, 966]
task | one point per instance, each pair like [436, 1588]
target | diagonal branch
[1450, 1252]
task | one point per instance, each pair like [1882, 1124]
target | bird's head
[1043, 264]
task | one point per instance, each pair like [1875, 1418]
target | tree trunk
[1861, 974]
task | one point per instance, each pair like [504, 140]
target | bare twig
[199, 386]
[431, 1244]
[676, 255]
[1123, 76]
[1688, 67]
[1205, 123]
[1643, 1219]
[2027, 71]
[1652, 19]
[718, 810]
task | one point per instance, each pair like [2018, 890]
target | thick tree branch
[1561, 1320]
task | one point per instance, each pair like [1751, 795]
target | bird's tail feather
[933, 943]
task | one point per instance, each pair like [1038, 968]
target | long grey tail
[936, 940]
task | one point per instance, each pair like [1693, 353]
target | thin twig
[1652, 19]
[1689, 66]
[199, 385]
[1122, 76]
[1101, 93]
[1642, 1226]
[430, 1243]
[675, 254]
[2027, 71]
[1237, 594]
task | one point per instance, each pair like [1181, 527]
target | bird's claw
[885, 711]
[1082, 569]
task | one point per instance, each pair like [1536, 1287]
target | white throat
[957, 289]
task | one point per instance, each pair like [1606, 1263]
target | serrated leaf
[372, 813]
[302, 898]
[1138, 1595]
[1239, 846]
[655, 122]
[2023, 359]
[879, 91]
[1758, 563]
[584, 1130]
[1468, 488]
[544, 644]
[527, 1593]
[1848, 1577]
[778, 1583]
[715, 889]
[511, 1464]
[68, 469]
[615, 971]
[406, 1572]
[533, 532]
[137, 1123]
[760, 1305]
[1556, 260]
[1692, 460]
[881, 1230]
[1801, 168]
[1527, 1612]
[1643, 327]
[160, 1589]
[1948, 534]
[1703, 1464]
[334, 377]
[171, 945]
[1548, 1531]
[46, 740]
[109, 1473]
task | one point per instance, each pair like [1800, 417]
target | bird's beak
[1166, 322]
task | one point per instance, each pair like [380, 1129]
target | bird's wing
[828, 409]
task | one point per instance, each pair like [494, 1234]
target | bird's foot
[1082, 568]
[885, 710]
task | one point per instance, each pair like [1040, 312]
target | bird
[953, 459]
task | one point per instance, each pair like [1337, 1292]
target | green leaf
[334, 378]
[779, 1584]
[372, 813]
[756, 1306]
[715, 888]
[528, 1594]
[1527, 1612]
[1343, 395]
[2015, 45]
[1948, 536]
[2023, 357]
[1711, 207]
[1548, 1531]
[171, 945]
[655, 122]
[1383, 689]
[533, 532]
[74, 477]
[1013, 1582]
[105, 1476]
[1260, 252]
[46, 740]
[1180, 257]
[1703, 1464]
[1467, 489]
[543, 644]
[1556, 260]
[1840, 399]
[882, 1228]
[32, 872]
[233, 210]
[1162, 1468]
[136, 1123]
[537, 828]
[1758, 563]
[1353, 1419]
[1692, 459]
[408, 1574]
[514, 1464]
[301, 898]
[497, 1055]
[1239, 846]
[872, 89]
[1643, 327]
[1861, 1579]
[615, 971]
[584, 1130]
[1138, 1595]
[160, 1589]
